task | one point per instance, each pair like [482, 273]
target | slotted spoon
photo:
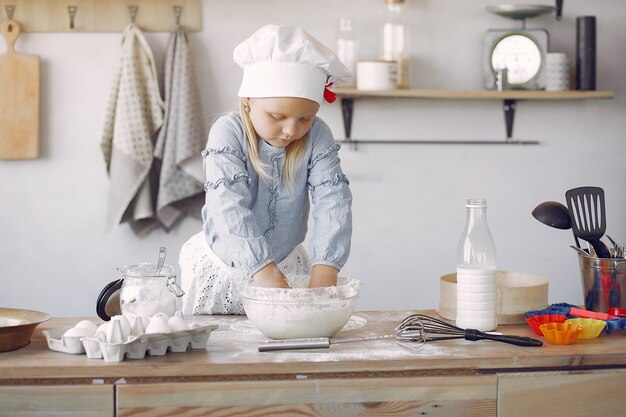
[587, 211]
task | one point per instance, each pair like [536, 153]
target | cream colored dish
[17, 326]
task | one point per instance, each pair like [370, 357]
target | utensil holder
[604, 282]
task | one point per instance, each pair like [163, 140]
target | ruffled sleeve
[229, 224]
[332, 201]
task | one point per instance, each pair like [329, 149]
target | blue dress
[249, 222]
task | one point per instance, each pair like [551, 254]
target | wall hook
[132, 10]
[72, 12]
[9, 9]
[178, 10]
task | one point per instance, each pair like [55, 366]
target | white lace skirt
[211, 286]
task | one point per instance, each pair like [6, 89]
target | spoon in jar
[161, 260]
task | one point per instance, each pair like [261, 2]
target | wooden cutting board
[19, 99]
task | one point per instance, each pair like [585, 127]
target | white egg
[163, 315]
[158, 324]
[88, 325]
[177, 322]
[101, 331]
[78, 332]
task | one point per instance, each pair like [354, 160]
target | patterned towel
[134, 115]
[182, 137]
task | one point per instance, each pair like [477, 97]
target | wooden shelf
[509, 99]
[476, 95]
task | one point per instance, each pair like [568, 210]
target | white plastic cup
[483, 320]
[476, 296]
[552, 57]
[482, 324]
[463, 305]
[557, 72]
[477, 279]
[466, 288]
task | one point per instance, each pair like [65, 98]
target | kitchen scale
[520, 51]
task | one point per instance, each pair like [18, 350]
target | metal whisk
[433, 329]
[411, 339]
[411, 334]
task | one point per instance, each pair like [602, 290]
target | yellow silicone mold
[591, 327]
[560, 333]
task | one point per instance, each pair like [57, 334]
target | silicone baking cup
[560, 333]
[535, 321]
[591, 328]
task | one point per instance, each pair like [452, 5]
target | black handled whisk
[434, 329]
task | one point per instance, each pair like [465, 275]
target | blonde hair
[294, 152]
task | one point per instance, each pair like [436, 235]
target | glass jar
[145, 293]
[347, 48]
[476, 294]
[396, 41]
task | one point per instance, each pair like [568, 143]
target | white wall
[408, 199]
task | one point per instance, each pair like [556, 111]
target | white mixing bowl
[300, 312]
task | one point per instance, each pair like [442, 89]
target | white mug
[376, 75]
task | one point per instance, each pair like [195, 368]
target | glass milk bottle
[395, 41]
[476, 271]
[347, 47]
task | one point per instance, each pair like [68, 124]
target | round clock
[521, 52]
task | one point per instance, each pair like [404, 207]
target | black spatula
[587, 212]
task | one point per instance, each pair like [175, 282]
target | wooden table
[231, 378]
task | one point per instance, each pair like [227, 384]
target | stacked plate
[556, 72]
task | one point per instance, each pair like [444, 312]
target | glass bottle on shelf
[347, 47]
[395, 41]
[476, 305]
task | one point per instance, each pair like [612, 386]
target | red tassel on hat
[329, 96]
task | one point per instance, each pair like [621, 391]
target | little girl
[262, 164]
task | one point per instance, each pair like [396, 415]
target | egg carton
[136, 347]
[66, 344]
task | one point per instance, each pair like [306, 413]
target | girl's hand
[323, 276]
[270, 276]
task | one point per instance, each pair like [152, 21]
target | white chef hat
[285, 61]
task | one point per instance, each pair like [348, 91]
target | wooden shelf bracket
[509, 116]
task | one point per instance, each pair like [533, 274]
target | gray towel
[181, 138]
[134, 115]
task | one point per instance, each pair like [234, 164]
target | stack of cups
[556, 72]
[476, 298]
